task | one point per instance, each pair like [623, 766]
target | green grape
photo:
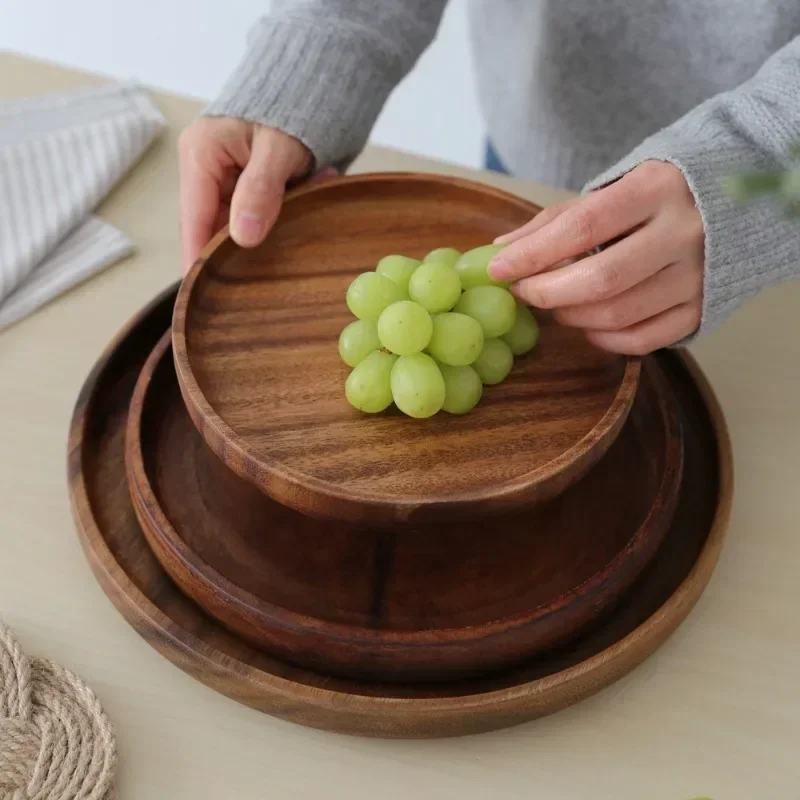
[398, 269]
[417, 386]
[492, 306]
[495, 361]
[473, 266]
[462, 388]
[368, 387]
[457, 340]
[449, 255]
[370, 293]
[435, 286]
[357, 341]
[405, 328]
[524, 335]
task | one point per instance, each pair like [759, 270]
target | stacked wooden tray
[381, 575]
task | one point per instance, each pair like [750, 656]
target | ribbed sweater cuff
[304, 78]
[747, 248]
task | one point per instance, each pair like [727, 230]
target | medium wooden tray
[129, 573]
[255, 336]
[425, 603]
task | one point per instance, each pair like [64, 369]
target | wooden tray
[129, 573]
[255, 335]
[424, 603]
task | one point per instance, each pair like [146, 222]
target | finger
[601, 276]
[199, 202]
[324, 175]
[260, 189]
[671, 286]
[596, 219]
[663, 330]
[539, 221]
[258, 194]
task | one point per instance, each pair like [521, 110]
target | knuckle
[582, 227]
[655, 179]
[614, 316]
[533, 294]
[657, 174]
[523, 257]
[651, 170]
[695, 228]
[258, 183]
[605, 280]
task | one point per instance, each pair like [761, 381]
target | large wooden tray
[129, 573]
[423, 603]
[254, 338]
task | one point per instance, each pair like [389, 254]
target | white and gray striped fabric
[60, 155]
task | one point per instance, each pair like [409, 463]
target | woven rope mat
[56, 743]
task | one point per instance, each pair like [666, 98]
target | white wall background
[188, 46]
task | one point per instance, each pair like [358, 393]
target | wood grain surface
[255, 337]
[131, 576]
[422, 603]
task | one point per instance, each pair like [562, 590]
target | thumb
[274, 159]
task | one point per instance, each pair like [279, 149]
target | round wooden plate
[129, 573]
[255, 337]
[418, 603]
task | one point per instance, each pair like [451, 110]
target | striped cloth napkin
[60, 155]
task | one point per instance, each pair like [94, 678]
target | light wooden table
[715, 712]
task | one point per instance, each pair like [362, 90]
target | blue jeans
[492, 161]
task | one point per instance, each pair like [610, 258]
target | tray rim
[383, 717]
[299, 490]
[169, 548]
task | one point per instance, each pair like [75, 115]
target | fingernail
[503, 239]
[248, 229]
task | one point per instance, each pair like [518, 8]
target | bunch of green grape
[431, 334]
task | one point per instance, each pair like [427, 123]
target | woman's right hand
[234, 171]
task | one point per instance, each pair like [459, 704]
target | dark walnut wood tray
[417, 603]
[628, 629]
[254, 335]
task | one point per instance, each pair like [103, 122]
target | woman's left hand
[644, 290]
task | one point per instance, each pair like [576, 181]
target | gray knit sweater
[574, 92]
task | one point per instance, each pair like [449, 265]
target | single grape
[462, 389]
[524, 334]
[368, 387]
[457, 340]
[357, 341]
[449, 255]
[495, 361]
[492, 306]
[398, 269]
[417, 386]
[435, 286]
[405, 328]
[473, 266]
[370, 293]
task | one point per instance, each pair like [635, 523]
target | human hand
[643, 291]
[234, 171]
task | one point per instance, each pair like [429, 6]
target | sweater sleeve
[321, 70]
[753, 126]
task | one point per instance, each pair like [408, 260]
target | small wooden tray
[255, 335]
[129, 573]
[425, 603]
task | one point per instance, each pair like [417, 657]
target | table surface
[716, 711]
